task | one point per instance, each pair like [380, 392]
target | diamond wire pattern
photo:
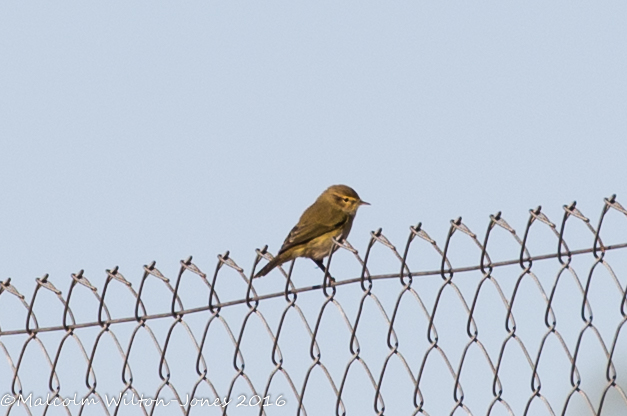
[392, 368]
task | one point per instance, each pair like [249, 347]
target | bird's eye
[345, 199]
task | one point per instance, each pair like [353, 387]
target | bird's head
[344, 197]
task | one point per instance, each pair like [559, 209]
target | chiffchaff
[331, 216]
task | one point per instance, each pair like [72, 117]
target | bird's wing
[303, 233]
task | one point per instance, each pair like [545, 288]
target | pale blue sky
[144, 131]
[140, 131]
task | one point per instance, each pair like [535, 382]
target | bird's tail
[271, 265]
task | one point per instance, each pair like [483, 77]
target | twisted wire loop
[559, 345]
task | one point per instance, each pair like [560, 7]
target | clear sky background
[142, 131]
[152, 131]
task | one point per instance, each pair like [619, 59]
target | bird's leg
[320, 264]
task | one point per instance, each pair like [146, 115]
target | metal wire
[380, 374]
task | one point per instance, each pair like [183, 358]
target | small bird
[329, 217]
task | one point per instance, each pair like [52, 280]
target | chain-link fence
[499, 324]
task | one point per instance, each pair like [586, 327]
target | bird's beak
[364, 203]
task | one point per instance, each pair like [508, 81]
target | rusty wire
[393, 367]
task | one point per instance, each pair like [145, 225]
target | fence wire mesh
[504, 324]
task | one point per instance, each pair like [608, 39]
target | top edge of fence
[446, 271]
[218, 306]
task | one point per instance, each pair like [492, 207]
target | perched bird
[330, 216]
